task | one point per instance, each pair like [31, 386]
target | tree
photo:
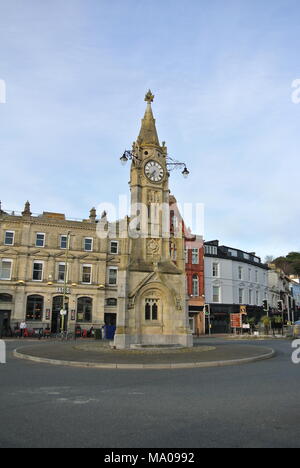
[252, 323]
[266, 321]
[269, 259]
[290, 264]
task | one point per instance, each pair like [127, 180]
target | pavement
[101, 355]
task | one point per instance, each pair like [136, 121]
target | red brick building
[194, 262]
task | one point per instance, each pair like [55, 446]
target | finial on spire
[149, 97]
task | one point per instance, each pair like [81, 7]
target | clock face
[154, 171]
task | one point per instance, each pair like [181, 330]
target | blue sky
[76, 73]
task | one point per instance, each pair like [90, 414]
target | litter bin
[98, 334]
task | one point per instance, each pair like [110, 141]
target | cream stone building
[120, 274]
[33, 268]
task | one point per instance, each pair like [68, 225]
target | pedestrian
[23, 327]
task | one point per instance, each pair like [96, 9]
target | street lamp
[171, 163]
[185, 172]
[124, 159]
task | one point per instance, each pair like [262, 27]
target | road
[253, 405]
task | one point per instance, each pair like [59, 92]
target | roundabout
[101, 356]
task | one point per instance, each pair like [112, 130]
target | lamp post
[171, 163]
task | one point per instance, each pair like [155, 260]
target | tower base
[123, 341]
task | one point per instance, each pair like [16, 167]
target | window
[9, 238]
[114, 247]
[5, 269]
[257, 298]
[249, 274]
[34, 309]
[40, 240]
[216, 294]
[241, 296]
[215, 270]
[256, 276]
[250, 296]
[232, 252]
[87, 274]
[112, 276]
[111, 302]
[63, 242]
[37, 271]
[195, 256]
[84, 309]
[61, 272]
[88, 244]
[211, 250]
[6, 297]
[240, 272]
[195, 285]
[151, 309]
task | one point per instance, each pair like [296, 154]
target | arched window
[195, 285]
[6, 298]
[151, 309]
[148, 311]
[34, 309]
[154, 312]
[84, 309]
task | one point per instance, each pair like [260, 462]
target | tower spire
[148, 134]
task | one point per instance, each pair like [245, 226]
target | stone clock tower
[152, 301]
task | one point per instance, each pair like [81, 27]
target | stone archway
[154, 308]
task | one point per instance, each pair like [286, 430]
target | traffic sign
[236, 320]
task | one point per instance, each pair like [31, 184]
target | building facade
[281, 294]
[233, 278]
[33, 271]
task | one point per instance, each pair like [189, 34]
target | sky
[76, 73]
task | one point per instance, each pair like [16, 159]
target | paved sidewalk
[98, 355]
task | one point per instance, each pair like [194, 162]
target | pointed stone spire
[148, 134]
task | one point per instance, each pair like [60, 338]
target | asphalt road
[253, 405]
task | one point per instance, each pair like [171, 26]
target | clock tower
[152, 308]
